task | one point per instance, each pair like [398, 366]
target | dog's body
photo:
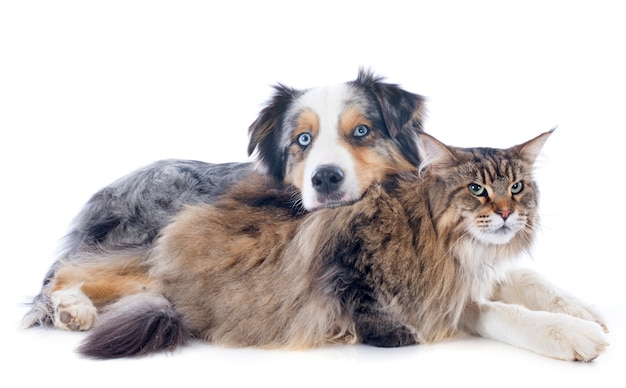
[329, 144]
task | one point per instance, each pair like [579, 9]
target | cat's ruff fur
[357, 133]
[251, 271]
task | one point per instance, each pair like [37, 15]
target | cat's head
[483, 196]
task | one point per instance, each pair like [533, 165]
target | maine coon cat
[416, 260]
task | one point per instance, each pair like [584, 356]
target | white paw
[73, 310]
[571, 305]
[575, 339]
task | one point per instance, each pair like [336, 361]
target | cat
[418, 259]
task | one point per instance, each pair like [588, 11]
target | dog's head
[333, 142]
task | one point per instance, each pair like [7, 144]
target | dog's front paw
[391, 339]
[73, 310]
[574, 339]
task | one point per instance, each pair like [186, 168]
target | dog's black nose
[327, 179]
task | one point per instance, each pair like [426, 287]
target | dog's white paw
[73, 310]
[575, 339]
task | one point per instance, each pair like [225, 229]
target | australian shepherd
[327, 144]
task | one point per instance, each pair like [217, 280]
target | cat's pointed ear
[433, 153]
[531, 149]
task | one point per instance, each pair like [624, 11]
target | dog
[328, 144]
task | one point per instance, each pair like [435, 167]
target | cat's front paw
[574, 339]
[73, 310]
[574, 307]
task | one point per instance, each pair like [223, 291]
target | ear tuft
[434, 153]
[532, 148]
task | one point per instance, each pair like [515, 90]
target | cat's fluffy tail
[136, 325]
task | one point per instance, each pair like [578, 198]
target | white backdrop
[92, 90]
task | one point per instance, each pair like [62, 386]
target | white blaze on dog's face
[332, 146]
[328, 172]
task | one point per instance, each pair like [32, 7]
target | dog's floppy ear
[398, 106]
[265, 132]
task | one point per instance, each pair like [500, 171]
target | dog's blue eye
[361, 131]
[304, 139]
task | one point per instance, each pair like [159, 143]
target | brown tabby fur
[417, 259]
[247, 272]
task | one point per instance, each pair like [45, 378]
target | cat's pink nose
[504, 213]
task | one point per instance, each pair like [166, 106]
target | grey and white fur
[130, 213]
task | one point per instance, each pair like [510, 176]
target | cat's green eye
[477, 190]
[517, 188]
